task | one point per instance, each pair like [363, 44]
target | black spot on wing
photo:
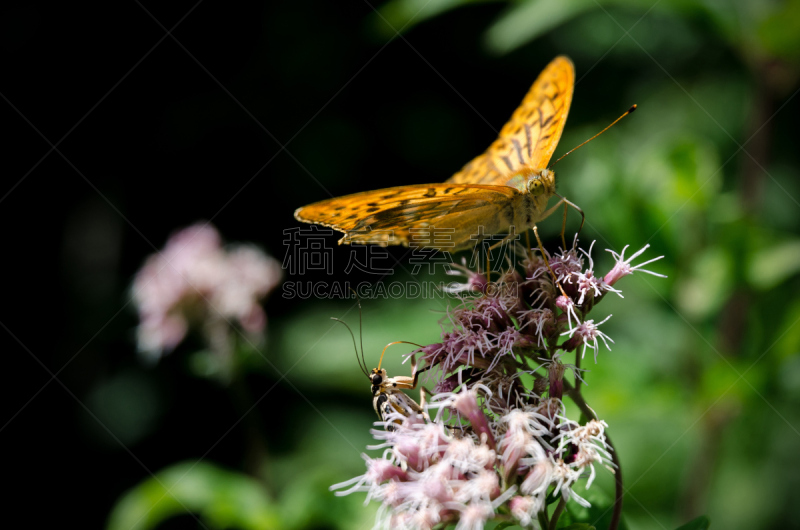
[518, 149]
[528, 138]
[401, 216]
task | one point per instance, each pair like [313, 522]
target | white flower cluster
[433, 472]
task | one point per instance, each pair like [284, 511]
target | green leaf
[779, 33]
[526, 21]
[701, 523]
[552, 498]
[772, 266]
[705, 289]
[578, 526]
[220, 498]
[599, 513]
[398, 16]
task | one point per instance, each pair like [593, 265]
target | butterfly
[507, 188]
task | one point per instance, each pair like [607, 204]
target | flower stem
[557, 514]
[543, 523]
[616, 515]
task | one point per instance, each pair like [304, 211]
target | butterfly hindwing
[530, 137]
[391, 215]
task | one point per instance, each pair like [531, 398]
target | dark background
[117, 134]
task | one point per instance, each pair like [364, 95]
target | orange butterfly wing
[390, 215]
[530, 137]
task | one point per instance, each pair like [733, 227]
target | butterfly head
[541, 182]
[537, 183]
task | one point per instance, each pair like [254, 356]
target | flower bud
[555, 373]
[466, 403]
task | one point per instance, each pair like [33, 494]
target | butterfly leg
[528, 245]
[477, 252]
[583, 216]
[512, 234]
[547, 263]
[550, 211]
[488, 266]
[564, 224]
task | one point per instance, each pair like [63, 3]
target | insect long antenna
[396, 342]
[360, 330]
[595, 136]
[362, 367]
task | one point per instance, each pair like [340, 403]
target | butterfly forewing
[528, 140]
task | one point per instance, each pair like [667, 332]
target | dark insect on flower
[388, 397]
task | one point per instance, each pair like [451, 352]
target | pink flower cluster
[528, 313]
[195, 280]
[487, 447]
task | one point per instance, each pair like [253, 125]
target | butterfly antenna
[396, 342]
[354, 344]
[595, 136]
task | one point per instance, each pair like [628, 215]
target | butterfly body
[503, 189]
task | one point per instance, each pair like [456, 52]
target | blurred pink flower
[194, 280]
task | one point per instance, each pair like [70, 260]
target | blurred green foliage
[221, 498]
[702, 388]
